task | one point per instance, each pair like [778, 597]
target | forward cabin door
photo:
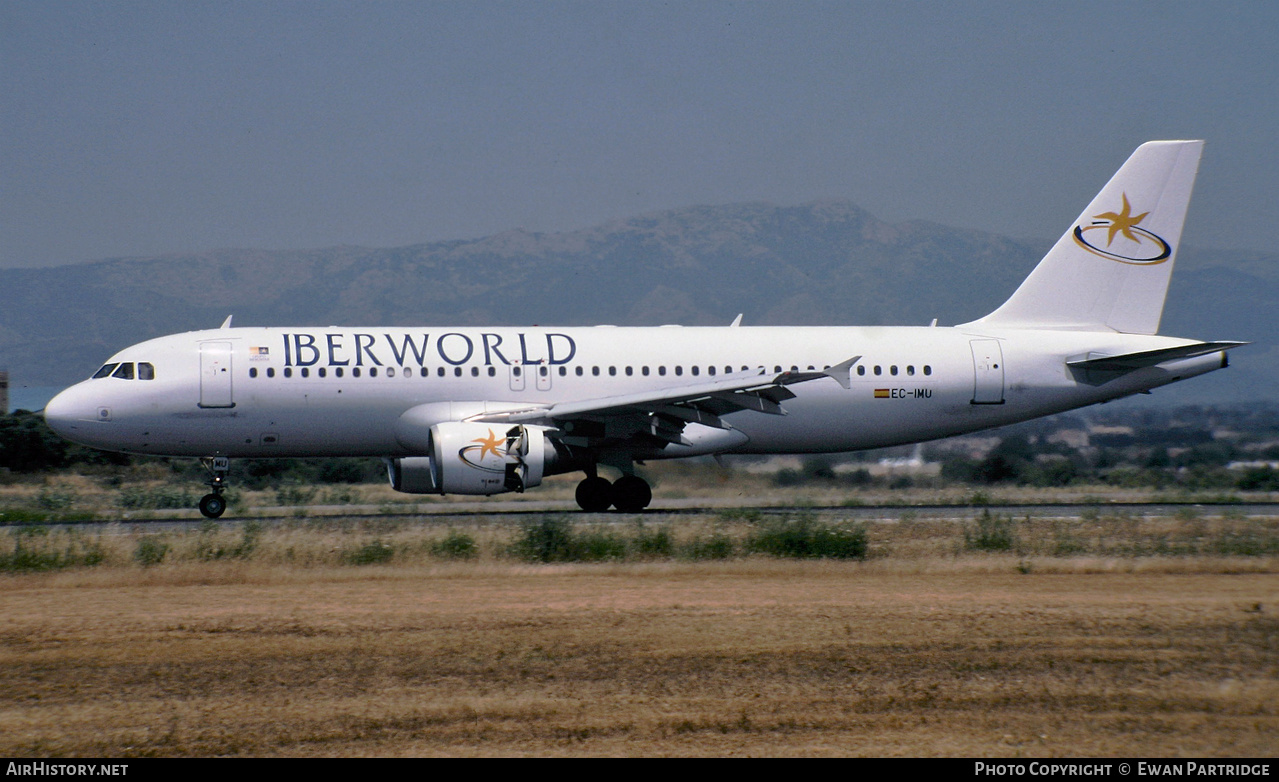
[215, 374]
[988, 372]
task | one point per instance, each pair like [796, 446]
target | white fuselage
[263, 392]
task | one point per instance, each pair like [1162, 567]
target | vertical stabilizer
[1111, 270]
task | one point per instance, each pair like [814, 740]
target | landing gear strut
[629, 494]
[214, 505]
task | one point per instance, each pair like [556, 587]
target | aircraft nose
[72, 411]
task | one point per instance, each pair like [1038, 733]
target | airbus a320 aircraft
[486, 411]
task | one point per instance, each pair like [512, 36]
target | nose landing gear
[214, 505]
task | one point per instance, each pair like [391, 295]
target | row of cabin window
[492, 371]
[125, 371]
[892, 370]
[543, 371]
[356, 372]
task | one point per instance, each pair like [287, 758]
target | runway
[452, 512]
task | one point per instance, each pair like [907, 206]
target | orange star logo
[1122, 221]
[489, 445]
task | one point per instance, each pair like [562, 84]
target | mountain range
[822, 263]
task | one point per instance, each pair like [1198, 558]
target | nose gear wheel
[214, 505]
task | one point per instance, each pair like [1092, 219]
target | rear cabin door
[988, 372]
[215, 375]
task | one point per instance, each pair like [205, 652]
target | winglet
[839, 373]
[736, 321]
[226, 324]
[842, 372]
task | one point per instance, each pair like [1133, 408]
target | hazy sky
[131, 128]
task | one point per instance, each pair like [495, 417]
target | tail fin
[1110, 271]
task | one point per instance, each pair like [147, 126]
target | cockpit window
[146, 371]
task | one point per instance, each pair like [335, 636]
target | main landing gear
[214, 505]
[629, 494]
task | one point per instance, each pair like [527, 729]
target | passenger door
[988, 372]
[215, 375]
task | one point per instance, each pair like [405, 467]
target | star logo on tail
[1122, 222]
[1139, 246]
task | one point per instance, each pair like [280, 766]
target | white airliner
[486, 411]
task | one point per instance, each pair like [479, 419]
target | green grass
[35, 549]
[553, 538]
[806, 538]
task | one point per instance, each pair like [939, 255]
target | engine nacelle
[474, 458]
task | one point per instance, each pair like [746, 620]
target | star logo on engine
[490, 444]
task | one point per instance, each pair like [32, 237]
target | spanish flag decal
[881, 393]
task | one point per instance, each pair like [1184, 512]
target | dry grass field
[1090, 640]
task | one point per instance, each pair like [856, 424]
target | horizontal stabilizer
[1150, 358]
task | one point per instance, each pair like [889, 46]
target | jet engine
[475, 458]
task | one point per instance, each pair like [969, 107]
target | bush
[1252, 541]
[22, 516]
[56, 499]
[456, 545]
[28, 553]
[342, 470]
[150, 550]
[807, 539]
[990, 533]
[653, 543]
[343, 496]
[859, 477]
[553, 539]
[788, 478]
[718, 546]
[959, 469]
[596, 545]
[28, 445]
[207, 549]
[36, 550]
[294, 495]
[374, 553]
[138, 498]
[997, 468]
[547, 540]
[1259, 479]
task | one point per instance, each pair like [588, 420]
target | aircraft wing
[662, 413]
